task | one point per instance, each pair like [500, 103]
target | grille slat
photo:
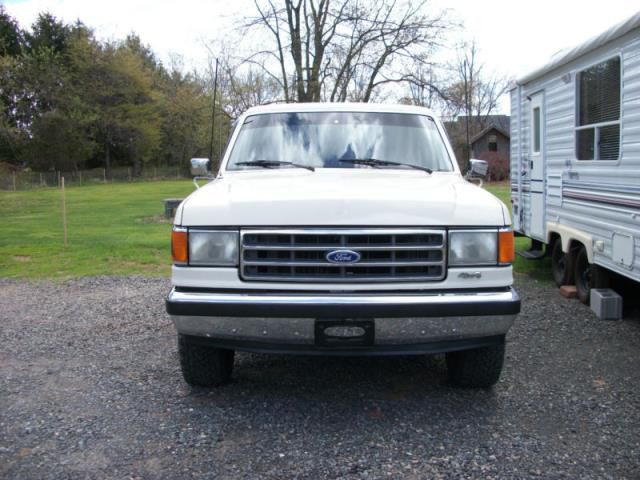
[287, 247]
[392, 255]
[325, 264]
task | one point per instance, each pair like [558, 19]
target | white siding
[514, 160]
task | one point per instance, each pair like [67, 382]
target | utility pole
[467, 108]
[213, 112]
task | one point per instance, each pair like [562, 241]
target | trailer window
[598, 128]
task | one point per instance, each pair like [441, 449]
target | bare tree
[243, 86]
[425, 87]
[472, 92]
[342, 50]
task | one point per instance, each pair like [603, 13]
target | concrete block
[606, 304]
[568, 291]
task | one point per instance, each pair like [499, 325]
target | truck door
[536, 155]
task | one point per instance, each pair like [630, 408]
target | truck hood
[341, 197]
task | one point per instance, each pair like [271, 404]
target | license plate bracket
[344, 332]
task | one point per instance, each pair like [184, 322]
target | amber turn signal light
[180, 246]
[506, 249]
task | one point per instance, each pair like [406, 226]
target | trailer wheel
[583, 275]
[561, 265]
[588, 276]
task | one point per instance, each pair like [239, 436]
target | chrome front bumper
[403, 323]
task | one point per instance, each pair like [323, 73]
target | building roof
[502, 122]
[567, 55]
[486, 130]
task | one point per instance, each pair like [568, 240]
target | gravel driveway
[90, 388]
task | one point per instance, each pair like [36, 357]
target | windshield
[331, 139]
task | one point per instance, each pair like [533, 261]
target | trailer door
[536, 212]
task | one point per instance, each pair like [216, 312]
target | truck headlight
[473, 247]
[213, 248]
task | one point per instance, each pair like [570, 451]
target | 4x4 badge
[466, 275]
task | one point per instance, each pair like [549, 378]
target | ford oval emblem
[343, 256]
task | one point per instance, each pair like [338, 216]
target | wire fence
[27, 180]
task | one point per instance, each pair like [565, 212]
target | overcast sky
[514, 36]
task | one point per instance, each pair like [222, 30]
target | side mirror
[200, 167]
[477, 168]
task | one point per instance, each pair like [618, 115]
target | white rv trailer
[575, 158]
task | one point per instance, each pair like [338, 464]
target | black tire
[476, 368]
[588, 276]
[561, 265]
[583, 274]
[204, 366]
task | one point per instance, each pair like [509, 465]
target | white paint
[537, 216]
[536, 145]
[329, 197]
[622, 251]
[536, 174]
[340, 196]
[209, 277]
[345, 197]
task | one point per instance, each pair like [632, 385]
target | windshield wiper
[374, 162]
[274, 163]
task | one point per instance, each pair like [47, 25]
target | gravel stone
[90, 387]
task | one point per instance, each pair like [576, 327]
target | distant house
[493, 144]
[490, 141]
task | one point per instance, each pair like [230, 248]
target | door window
[536, 130]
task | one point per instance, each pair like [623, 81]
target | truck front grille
[385, 255]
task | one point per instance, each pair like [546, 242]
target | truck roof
[339, 107]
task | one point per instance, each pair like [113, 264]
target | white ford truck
[341, 229]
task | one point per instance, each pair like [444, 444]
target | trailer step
[532, 254]
[537, 251]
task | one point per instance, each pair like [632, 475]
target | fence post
[41, 179]
[64, 212]
[104, 174]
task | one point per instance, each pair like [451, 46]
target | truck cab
[341, 229]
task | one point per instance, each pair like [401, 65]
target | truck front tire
[476, 368]
[204, 366]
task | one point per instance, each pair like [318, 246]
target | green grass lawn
[114, 229]
[539, 269]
